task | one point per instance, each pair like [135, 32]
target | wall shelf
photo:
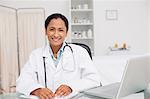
[82, 10]
[82, 22]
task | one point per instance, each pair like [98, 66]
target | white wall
[121, 0]
[131, 26]
[50, 6]
[148, 10]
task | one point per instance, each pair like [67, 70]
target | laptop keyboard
[108, 91]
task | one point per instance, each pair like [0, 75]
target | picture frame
[111, 15]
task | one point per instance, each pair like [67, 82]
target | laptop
[135, 79]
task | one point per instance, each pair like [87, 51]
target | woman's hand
[43, 93]
[63, 90]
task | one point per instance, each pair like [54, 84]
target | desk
[8, 96]
[79, 96]
[135, 96]
[110, 68]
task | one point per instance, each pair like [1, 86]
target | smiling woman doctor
[58, 68]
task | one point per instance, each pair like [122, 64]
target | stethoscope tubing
[45, 72]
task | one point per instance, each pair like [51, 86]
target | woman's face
[56, 32]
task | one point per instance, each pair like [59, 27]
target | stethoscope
[66, 45]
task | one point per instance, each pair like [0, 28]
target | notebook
[135, 79]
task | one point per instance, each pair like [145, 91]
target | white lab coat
[79, 76]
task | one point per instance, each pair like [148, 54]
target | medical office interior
[113, 29]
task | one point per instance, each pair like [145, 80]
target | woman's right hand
[43, 93]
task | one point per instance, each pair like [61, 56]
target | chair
[88, 50]
[86, 47]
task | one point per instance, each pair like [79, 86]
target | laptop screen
[135, 77]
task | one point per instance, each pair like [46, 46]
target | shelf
[81, 10]
[82, 38]
[119, 49]
[81, 23]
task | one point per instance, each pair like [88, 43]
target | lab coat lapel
[48, 58]
[66, 63]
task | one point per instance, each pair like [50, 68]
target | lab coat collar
[48, 59]
[46, 52]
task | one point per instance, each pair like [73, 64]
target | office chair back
[88, 50]
[86, 47]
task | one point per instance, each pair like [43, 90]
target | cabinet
[82, 24]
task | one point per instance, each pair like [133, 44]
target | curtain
[21, 31]
[30, 32]
[8, 50]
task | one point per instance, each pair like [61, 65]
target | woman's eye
[51, 29]
[61, 30]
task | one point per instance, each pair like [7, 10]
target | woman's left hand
[63, 90]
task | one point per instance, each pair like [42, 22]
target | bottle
[124, 45]
[83, 34]
[75, 35]
[89, 33]
[116, 45]
[85, 6]
[75, 20]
